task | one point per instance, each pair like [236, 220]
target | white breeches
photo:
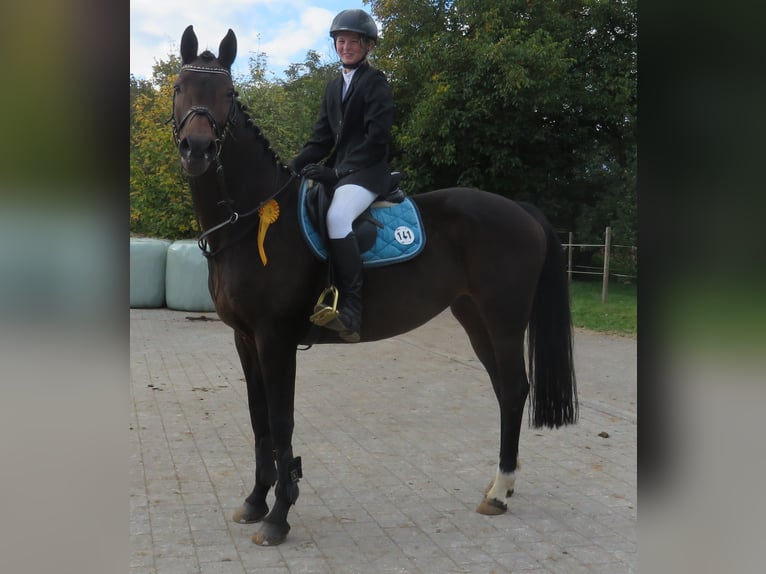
[348, 203]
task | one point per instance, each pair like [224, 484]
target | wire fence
[608, 250]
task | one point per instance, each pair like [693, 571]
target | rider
[352, 136]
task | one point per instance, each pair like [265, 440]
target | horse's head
[203, 102]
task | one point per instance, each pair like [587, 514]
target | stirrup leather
[323, 312]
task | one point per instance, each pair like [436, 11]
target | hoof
[249, 513]
[492, 507]
[271, 534]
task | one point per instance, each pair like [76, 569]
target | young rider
[351, 140]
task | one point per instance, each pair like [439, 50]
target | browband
[191, 68]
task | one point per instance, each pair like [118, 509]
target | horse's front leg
[255, 508]
[277, 352]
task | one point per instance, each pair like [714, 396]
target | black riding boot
[347, 269]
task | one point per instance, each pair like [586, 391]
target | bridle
[220, 135]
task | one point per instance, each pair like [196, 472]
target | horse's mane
[259, 135]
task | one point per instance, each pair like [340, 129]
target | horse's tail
[553, 388]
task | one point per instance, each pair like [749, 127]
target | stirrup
[324, 313]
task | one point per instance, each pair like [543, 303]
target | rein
[235, 216]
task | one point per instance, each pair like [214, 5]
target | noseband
[220, 135]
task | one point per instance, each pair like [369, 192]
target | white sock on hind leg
[504, 482]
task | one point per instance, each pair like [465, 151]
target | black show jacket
[354, 134]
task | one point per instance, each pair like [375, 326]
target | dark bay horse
[496, 263]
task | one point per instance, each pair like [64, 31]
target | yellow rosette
[268, 213]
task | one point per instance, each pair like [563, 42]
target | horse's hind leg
[512, 396]
[502, 354]
[254, 508]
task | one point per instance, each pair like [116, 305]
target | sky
[284, 29]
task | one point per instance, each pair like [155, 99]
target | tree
[606, 76]
[160, 203]
[533, 100]
[286, 110]
[138, 87]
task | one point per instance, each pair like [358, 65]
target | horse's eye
[176, 88]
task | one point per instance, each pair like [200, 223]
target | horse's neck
[251, 175]
[206, 195]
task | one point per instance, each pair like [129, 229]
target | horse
[497, 264]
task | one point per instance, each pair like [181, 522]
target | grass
[617, 315]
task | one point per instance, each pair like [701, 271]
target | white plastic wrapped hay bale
[186, 278]
[147, 272]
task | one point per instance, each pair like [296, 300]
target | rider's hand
[321, 173]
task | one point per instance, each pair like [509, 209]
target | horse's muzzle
[197, 154]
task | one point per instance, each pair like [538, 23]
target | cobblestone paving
[398, 440]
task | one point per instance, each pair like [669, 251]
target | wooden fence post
[569, 262]
[607, 247]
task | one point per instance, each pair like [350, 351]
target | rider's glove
[321, 173]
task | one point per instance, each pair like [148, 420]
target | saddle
[365, 226]
[389, 231]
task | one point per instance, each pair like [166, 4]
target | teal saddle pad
[400, 237]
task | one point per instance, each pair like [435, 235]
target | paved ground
[398, 439]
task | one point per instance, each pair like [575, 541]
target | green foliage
[533, 100]
[160, 203]
[286, 110]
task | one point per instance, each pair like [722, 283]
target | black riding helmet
[354, 21]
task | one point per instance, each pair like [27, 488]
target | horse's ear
[188, 45]
[227, 51]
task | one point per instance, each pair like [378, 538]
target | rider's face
[350, 47]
